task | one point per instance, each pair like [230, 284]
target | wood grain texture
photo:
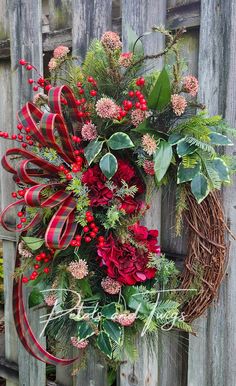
[214, 347]
[26, 42]
[60, 16]
[183, 14]
[89, 20]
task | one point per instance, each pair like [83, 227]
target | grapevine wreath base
[207, 252]
[92, 151]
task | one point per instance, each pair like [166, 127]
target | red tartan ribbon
[44, 126]
[29, 169]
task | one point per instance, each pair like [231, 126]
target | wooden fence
[29, 28]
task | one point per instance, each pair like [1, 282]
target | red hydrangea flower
[100, 195]
[126, 263]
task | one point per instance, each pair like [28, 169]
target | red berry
[48, 87]
[23, 219]
[143, 107]
[21, 193]
[36, 266]
[46, 260]
[88, 213]
[22, 62]
[14, 136]
[101, 244]
[31, 143]
[46, 270]
[43, 255]
[78, 102]
[35, 88]
[85, 229]
[95, 229]
[131, 94]
[19, 226]
[20, 137]
[5, 135]
[78, 238]
[32, 277]
[29, 67]
[81, 91]
[79, 84]
[90, 79]
[92, 234]
[19, 126]
[137, 105]
[83, 100]
[20, 214]
[14, 194]
[24, 145]
[101, 238]
[93, 93]
[87, 239]
[30, 81]
[137, 93]
[25, 279]
[38, 258]
[73, 243]
[28, 130]
[92, 225]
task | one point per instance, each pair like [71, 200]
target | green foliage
[82, 200]
[92, 150]
[126, 190]
[166, 270]
[108, 165]
[181, 206]
[33, 243]
[200, 187]
[161, 92]
[113, 330]
[162, 159]
[113, 217]
[35, 298]
[119, 141]
[104, 344]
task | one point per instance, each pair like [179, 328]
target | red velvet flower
[100, 195]
[126, 263]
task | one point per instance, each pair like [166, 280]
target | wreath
[93, 145]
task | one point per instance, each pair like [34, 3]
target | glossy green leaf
[113, 330]
[175, 138]
[108, 310]
[220, 140]
[33, 243]
[162, 159]
[84, 330]
[35, 298]
[187, 174]
[200, 187]
[135, 300]
[120, 141]
[104, 344]
[185, 148]
[108, 165]
[160, 95]
[221, 168]
[92, 150]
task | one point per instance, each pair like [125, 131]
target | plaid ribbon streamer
[29, 169]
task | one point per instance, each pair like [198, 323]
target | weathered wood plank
[60, 16]
[213, 350]
[26, 42]
[89, 20]
[183, 14]
[141, 16]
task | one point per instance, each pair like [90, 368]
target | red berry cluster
[90, 231]
[20, 193]
[138, 101]
[93, 82]
[22, 219]
[42, 260]
[75, 167]
[40, 82]
[22, 137]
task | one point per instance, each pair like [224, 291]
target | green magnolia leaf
[161, 93]
[33, 243]
[113, 330]
[219, 139]
[162, 159]
[187, 174]
[200, 187]
[175, 138]
[109, 310]
[104, 344]
[120, 141]
[85, 287]
[84, 330]
[185, 148]
[92, 150]
[108, 165]
[221, 168]
[135, 300]
[35, 298]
